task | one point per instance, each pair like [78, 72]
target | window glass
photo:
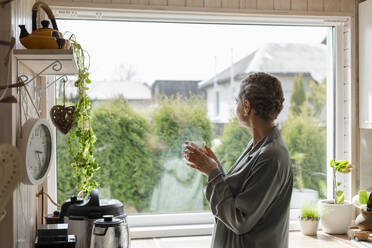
[156, 85]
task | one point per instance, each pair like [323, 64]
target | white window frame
[186, 224]
[218, 99]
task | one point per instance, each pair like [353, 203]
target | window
[157, 84]
[217, 103]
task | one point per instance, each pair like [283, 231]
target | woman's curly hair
[265, 94]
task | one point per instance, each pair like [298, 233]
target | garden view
[139, 151]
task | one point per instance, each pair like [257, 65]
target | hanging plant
[81, 138]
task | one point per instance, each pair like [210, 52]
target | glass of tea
[199, 143]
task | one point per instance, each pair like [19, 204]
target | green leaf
[332, 163]
[308, 211]
[339, 193]
[363, 197]
[338, 184]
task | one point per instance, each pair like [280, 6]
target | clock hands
[38, 155]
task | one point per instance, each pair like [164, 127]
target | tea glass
[199, 143]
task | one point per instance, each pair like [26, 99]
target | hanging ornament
[63, 116]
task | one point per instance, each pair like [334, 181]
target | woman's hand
[199, 160]
[211, 154]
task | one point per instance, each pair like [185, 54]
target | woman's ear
[247, 108]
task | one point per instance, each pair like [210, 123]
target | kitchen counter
[296, 239]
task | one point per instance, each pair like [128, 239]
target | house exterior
[283, 60]
[183, 88]
[137, 94]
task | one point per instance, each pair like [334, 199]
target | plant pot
[335, 218]
[309, 226]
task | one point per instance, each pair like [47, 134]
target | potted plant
[309, 220]
[336, 214]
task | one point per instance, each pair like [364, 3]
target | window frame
[217, 96]
[335, 104]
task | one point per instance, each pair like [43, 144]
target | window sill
[171, 231]
[183, 224]
[182, 230]
[296, 239]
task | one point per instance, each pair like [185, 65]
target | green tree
[123, 151]
[298, 159]
[66, 182]
[304, 134]
[298, 97]
[177, 120]
[317, 97]
[234, 139]
[131, 152]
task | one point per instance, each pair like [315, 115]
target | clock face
[39, 149]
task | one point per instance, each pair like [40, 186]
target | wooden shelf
[38, 59]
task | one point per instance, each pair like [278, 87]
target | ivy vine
[81, 138]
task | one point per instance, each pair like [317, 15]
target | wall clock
[36, 148]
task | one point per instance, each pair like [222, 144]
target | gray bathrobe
[251, 202]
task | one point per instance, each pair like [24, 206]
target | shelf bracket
[56, 65]
[63, 77]
[23, 80]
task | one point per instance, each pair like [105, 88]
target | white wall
[18, 229]
[365, 159]
[6, 235]
[365, 66]
[226, 101]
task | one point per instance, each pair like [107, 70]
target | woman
[251, 201]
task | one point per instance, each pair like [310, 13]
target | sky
[176, 51]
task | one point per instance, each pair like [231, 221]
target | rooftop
[279, 58]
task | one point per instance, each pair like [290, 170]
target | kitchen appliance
[81, 214]
[53, 218]
[45, 37]
[110, 232]
[54, 235]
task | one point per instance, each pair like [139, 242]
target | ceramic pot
[361, 235]
[335, 218]
[364, 220]
[309, 226]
